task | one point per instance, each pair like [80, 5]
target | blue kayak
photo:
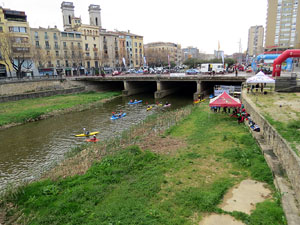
[135, 102]
[118, 117]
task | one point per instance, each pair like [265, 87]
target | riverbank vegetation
[282, 110]
[32, 109]
[173, 168]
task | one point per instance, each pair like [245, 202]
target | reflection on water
[28, 150]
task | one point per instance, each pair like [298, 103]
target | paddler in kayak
[85, 131]
[94, 138]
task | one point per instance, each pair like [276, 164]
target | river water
[28, 150]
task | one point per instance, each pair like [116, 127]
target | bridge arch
[291, 53]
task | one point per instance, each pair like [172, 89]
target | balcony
[87, 49]
[95, 49]
[56, 47]
[87, 57]
[96, 57]
[48, 47]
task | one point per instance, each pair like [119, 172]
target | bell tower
[67, 9]
[95, 15]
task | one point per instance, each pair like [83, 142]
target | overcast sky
[198, 23]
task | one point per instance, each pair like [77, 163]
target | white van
[212, 68]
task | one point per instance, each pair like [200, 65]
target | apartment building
[109, 43]
[72, 58]
[15, 44]
[46, 46]
[255, 40]
[161, 50]
[283, 25]
[190, 52]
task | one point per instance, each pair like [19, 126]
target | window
[73, 53]
[135, 44]
[88, 64]
[1, 29]
[17, 29]
[78, 35]
[96, 64]
[36, 35]
[57, 53]
[58, 63]
[88, 54]
[95, 46]
[55, 36]
[56, 44]
[71, 35]
[67, 63]
[37, 44]
[86, 47]
[46, 35]
[47, 44]
[66, 53]
[72, 45]
[63, 34]
[78, 44]
[65, 44]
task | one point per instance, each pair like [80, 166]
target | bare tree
[156, 57]
[16, 52]
[77, 57]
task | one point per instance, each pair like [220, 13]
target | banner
[145, 60]
[124, 62]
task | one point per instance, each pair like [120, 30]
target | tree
[156, 57]
[15, 52]
[77, 58]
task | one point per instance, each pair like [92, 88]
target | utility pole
[240, 51]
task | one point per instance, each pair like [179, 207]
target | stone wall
[287, 84]
[41, 94]
[23, 87]
[289, 160]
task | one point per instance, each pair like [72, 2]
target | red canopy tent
[225, 100]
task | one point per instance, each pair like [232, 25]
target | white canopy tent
[260, 78]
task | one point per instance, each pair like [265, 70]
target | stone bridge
[161, 85]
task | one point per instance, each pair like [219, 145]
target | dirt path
[216, 219]
[243, 198]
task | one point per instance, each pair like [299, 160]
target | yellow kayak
[149, 108]
[86, 135]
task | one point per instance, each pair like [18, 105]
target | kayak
[86, 135]
[196, 101]
[135, 102]
[167, 105]
[149, 108]
[92, 140]
[118, 117]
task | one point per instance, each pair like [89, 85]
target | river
[26, 151]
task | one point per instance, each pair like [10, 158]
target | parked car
[130, 71]
[140, 71]
[192, 71]
[116, 72]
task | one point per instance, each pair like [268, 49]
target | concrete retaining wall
[21, 87]
[288, 158]
[41, 94]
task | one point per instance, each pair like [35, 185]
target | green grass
[134, 186]
[23, 110]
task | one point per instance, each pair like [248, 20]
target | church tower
[95, 16]
[67, 9]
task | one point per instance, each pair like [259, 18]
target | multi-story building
[72, 57]
[46, 45]
[255, 40]
[190, 52]
[90, 34]
[138, 50]
[283, 25]
[109, 43]
[162, 50]
[15, 44]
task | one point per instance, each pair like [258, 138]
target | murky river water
[28, 150]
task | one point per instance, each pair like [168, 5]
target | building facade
[46, 45]
[283, 25]
[15, 44]
[190, 52]
[255, 40]
[161, 51]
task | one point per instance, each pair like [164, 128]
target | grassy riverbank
[31, 109]
[179, 177]
[282, 110]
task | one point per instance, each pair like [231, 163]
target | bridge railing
[31, 78]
